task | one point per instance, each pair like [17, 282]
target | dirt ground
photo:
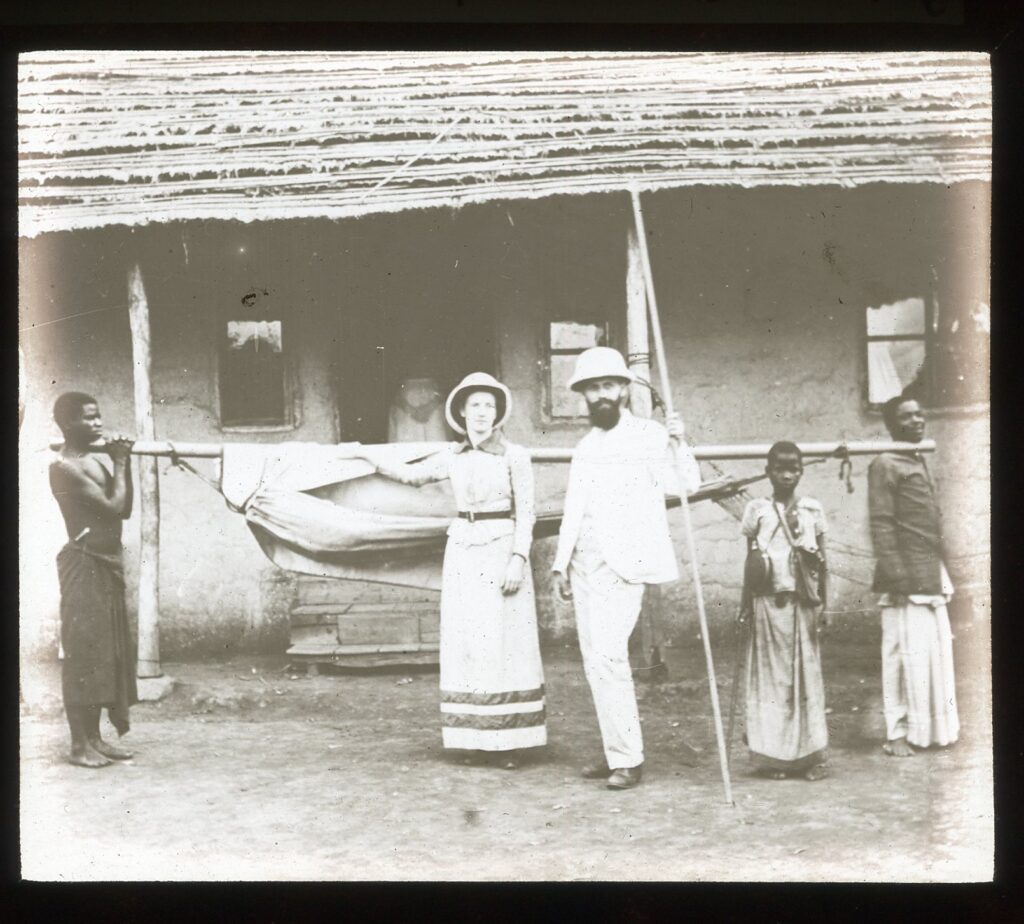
[252, 769]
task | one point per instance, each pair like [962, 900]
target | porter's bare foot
[87, 756]
[818, 772]
[110, 750]
[898, 747]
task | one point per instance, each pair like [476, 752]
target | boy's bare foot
[110, 750]
[87, 756]
[818, 772]
[898, 747]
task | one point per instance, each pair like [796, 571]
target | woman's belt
[473, 516]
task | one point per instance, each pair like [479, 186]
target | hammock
[317, 510]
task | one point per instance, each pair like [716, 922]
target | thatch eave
[131, 138]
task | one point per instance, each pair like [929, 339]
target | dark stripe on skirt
[492, 722]
[493, 699]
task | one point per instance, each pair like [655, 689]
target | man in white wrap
[614, 540]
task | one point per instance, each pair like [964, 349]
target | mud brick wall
[762, 295]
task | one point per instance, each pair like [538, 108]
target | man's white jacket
[621, 476]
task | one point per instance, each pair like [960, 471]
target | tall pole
[645, 639]
[148, 664]
[691, 545]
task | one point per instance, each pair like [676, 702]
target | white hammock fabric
[316, 510]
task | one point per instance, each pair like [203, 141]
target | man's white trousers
[607, 609]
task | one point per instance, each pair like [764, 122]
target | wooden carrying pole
[759, 451]
[691, 545]
[148, 664]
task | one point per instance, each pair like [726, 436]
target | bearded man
[614, 540]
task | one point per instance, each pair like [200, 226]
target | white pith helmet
[600, 363]
[477, 381]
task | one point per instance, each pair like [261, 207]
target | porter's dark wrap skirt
[99, 655]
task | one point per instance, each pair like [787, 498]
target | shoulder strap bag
[808, 567]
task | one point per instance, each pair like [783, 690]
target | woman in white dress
[492, 681]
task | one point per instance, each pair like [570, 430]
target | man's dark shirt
[906, 525]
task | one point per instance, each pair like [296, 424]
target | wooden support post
[691, 545]
[638, 344]
[149, 488]
[645, 642]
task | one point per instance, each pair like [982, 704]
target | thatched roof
[136, 137]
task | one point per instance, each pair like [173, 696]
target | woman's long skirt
[786, 727]
[492, 682]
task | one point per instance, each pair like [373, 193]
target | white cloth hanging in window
[417, 413]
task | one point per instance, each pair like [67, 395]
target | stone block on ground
[152, 689]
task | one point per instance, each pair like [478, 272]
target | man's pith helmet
[600, 363]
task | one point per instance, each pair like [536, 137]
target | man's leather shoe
[625, 777]
[598, 770]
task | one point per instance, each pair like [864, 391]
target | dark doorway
[382, 349]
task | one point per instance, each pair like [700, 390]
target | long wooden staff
[666, 393]
[742, 636]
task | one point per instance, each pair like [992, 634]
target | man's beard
[604, 413]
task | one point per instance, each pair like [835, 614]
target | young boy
[785, 694]
[99, 655]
